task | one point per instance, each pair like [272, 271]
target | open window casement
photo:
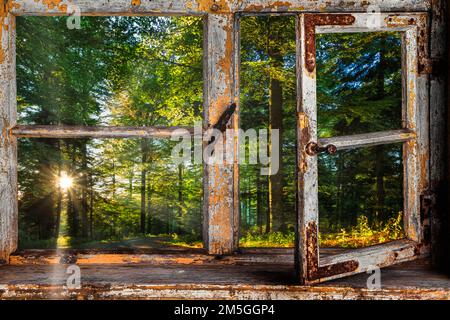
[311, 266]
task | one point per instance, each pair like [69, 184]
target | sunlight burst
[65, 182]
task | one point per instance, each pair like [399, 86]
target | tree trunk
[276, 180]
[180, 196]
[144, 154]
[113, 178]
[59, 195]
[149, 207]
[72, 208]
[130, 184]
[259, 214]
[84, 190]
[379, 167]
[58, 213]
[276, 123]
[72, 215]
[268, 217]
[340, 220]
[91, 206]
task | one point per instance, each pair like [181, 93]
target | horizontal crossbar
[64, 131]
[369, 139]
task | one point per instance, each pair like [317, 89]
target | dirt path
[160, 243]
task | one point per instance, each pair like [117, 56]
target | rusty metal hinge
[427, 205]
[432, 66]
[427, 201]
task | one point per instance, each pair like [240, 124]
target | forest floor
[159, 242]
[361, 235]
[149, 242]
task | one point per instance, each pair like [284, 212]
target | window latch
[222, 123]
[313, 149]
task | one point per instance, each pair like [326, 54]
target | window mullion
[219, 187]
[8, 143]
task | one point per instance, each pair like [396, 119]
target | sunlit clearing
[65, 182]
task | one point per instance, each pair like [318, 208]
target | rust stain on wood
[8, 179]
[335, 269]
[216, 6]
[55, 4]
[5, 8]
[215, 291]
[425, 66]
[305, 137]
[220, 192]
[186, 257]
[272, 6]
[225, 66]
[316, 272]
[313, 20]
[214, 281]
[312, 249]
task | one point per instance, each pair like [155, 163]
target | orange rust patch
[51, 4]
[220, 200]
[225, 63]
[312, 253]
[5, 8]
[280, 4]
[206, 5]
[411, 102]
[305, 138]
[135, 2]
[422, 40]
[254, 7]
[399, 21]
[270, 6]
[424, 160]
[220, 229]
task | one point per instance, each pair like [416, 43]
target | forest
[148, 71]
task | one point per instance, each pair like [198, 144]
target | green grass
[364, 235]
[361, 235]
[186, 241]
[62, 242]
[268, 240]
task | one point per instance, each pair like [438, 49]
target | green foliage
[264, 58]
[359, 90]
[268, 240]
[364, 235]
[186, 241]
[122, 71]
[148, 71]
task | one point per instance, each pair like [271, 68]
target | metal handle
[223, 121]
[313, 149]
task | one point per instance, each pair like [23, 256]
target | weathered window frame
[413, 135]
[221, 73]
